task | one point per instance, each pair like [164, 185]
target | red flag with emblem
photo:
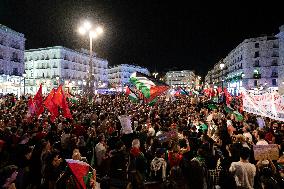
[58, 97]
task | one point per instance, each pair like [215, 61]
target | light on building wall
[222, 65]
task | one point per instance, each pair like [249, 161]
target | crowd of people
[180, 143]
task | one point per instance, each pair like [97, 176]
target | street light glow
[87, 25]
[99, 30]
[222, 65]
[82, 30]
[93, 34]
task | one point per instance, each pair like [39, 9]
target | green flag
[212, 106]
[228, 109]
[238, 115]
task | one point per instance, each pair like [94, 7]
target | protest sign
[270, 151]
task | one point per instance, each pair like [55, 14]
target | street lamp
[93, 33]
[155, 74]
[222, 65]
[57, 79]
[24, 75]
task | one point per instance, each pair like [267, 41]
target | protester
[244, 171]
[178, 142]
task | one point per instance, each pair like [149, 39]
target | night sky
[160, 35]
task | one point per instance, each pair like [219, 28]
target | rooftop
[62, 48]
[7, 29]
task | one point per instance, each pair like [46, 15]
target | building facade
[118, 76]
[254, 63]
[184, 78]
[52, 66]
[280, 36]
[12, 47]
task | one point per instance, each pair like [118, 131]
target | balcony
[274, 75]
[15, 59]
[15, 46]
[257, 76]
[256, 65]
[275, 55]
[274, 64]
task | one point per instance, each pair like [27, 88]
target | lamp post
[57, 79]
[222, 65]
[24, 75]
[155, 74]
[93, 33]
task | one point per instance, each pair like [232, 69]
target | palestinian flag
[153, 102]
[212, 106]
[228, 109]
[238, 115]
[149, 87]
[131, 95]
[80, 170]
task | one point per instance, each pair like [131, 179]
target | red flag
[38, 101]
[127, 91]
[219, 89]
[51, 106]
[58, 97]
[65, 108]
[60, 100]
[228, 96]
[212, 92]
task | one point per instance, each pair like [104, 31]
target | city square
[150, 94]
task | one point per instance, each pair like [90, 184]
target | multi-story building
[12, 47]
[52, 66]
[252, 64]
[184, 78]
[280, 36]
[118, 76]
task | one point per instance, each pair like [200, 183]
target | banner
[268, 104]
